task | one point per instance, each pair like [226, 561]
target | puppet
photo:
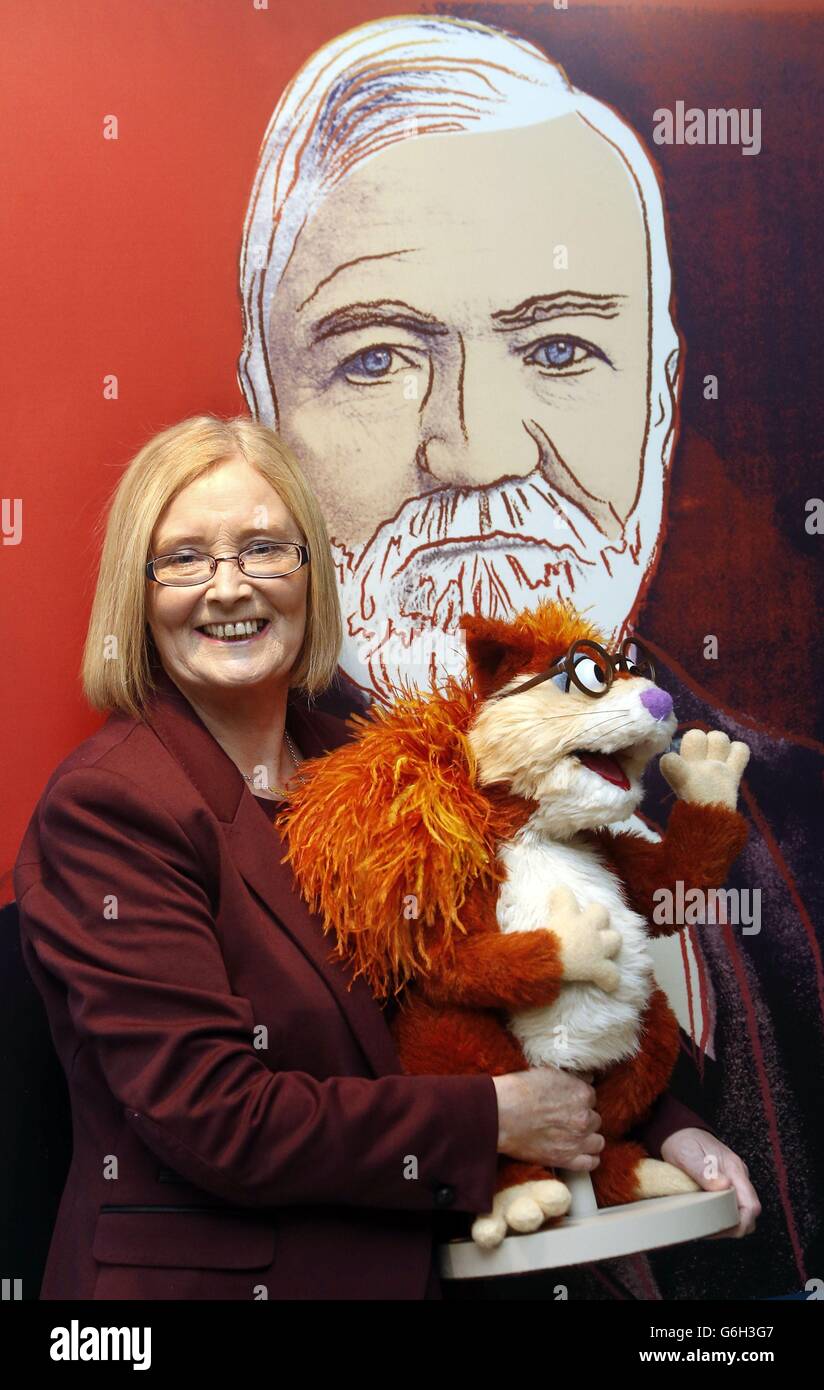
[467, 850]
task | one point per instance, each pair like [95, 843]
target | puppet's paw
[552, 1196]
[489, 1230]
[658, 1179]
[708, 769]
[523, 1208]
[586, 939]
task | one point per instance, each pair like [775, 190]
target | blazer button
[444, 1196]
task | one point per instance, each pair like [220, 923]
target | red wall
[121, 258]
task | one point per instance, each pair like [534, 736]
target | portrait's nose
[470, 436]
[477, 458]
[658, 702]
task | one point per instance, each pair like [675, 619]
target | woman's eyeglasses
[261, 560]
[591, 669]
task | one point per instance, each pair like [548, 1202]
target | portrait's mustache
[462, 548]
[454, 523]
[406, 573]
[489, 551]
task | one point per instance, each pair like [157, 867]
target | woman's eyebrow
[196, 538]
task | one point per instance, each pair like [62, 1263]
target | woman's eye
[375, 364]
[264, 548]
[557, 354]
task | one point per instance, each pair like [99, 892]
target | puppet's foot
[551, 1197]
[522, 1208]
[658, 1179]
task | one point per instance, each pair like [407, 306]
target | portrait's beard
[490, 551]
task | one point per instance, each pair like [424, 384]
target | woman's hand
[548, 1116]
[689, 1150]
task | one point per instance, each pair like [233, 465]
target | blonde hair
[116, 670]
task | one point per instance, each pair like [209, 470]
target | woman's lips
[235, 641]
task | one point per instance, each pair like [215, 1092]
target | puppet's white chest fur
[586, 1028]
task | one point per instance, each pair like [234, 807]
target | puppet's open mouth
[606, 766]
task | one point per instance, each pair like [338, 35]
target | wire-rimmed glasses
[591, 668]
[260, 560]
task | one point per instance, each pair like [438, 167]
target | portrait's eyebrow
[382, 313]
[539, 308]
[564, 303]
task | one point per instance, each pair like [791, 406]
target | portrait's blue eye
[561, 681]
[373, 362]
[556, 354]
[376, 360]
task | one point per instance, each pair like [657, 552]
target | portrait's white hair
[404, 78]
[420, 77]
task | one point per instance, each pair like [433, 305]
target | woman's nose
[658, 702]
[228, 577]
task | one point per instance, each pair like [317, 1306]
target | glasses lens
[638, 659]
[185, 567]
[591, 668]
[265, 559]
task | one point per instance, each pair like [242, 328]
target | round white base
[610, 1233]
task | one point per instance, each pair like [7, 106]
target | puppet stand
[588, 1234]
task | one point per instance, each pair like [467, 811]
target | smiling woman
[231, 638]
[210, 485]
[208, 1038]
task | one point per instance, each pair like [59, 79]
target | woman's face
[221, 513]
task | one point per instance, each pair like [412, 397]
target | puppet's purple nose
[658, 702]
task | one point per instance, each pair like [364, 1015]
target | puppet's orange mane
[387, 832]
[390, 831]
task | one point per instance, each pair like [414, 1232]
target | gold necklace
[293, 755]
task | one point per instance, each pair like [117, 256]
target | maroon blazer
[242, 1126]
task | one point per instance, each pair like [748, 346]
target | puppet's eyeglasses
[591, 668]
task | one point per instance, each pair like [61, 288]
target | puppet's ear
[495, 652]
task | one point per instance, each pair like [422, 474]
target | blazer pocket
[182, 1237]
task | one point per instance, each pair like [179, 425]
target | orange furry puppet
[460, 850]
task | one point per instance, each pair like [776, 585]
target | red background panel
[121, 257]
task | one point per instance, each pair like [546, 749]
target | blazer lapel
[258, 851]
